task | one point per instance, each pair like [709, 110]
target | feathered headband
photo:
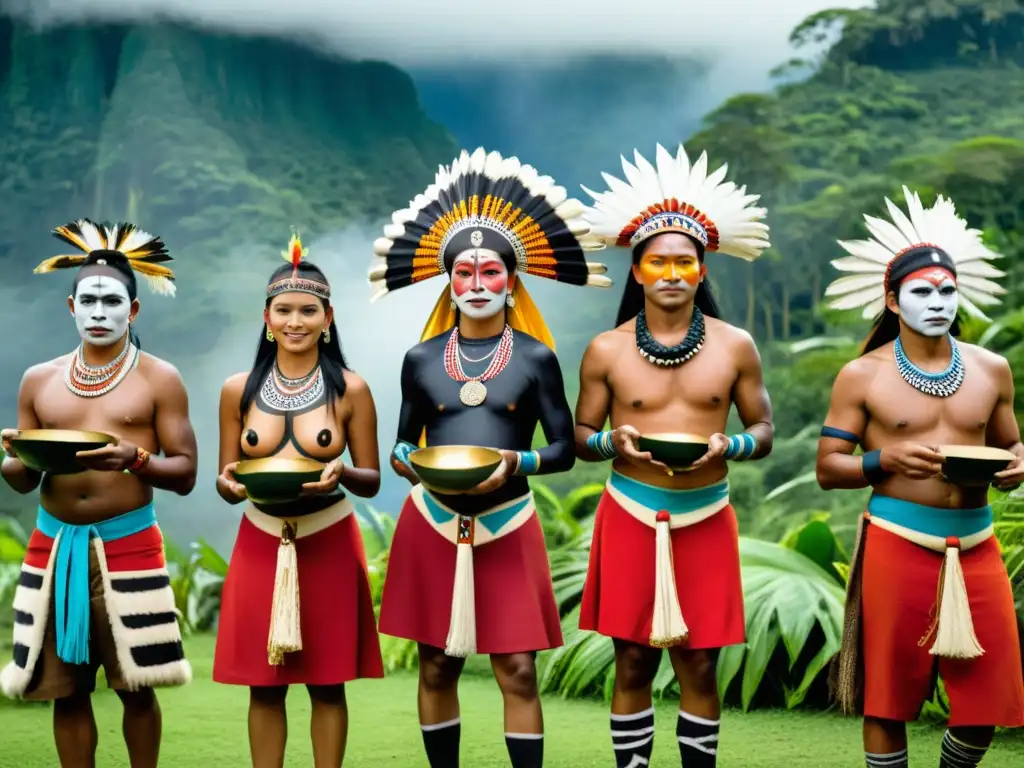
[143, 251]
[678, 197]
[294, 256]
[486, 201]
[933, 236]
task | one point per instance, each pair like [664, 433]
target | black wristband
[871, 466]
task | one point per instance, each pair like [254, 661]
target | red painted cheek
[494, 283]
[461, 284]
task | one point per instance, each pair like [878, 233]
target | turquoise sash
[492, 521]
[675, 502]
[931, 521]
[71, 572]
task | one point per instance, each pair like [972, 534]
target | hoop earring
[270, 334]
[327, 335]
[510, 301]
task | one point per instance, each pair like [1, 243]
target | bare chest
[126, 408]
[899, 409]
[703, 383]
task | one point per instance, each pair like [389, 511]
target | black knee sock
[442, 743]
[887, 759]
[959, 754]
[525, 749]
[633, 739]
[698, 741]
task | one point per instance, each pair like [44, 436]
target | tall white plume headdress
[676, 196]
[145, 253]
[915, 236]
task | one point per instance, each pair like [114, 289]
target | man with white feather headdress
[94, 588]
[927, 586]
[468, 572]
[665, 541]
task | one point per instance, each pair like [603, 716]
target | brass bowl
[676, 450]
[454, 468]
[276, 479]
[53, 450]
[973, 465]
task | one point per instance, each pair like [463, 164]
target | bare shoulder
[234, 385]
[607, 345]
[991, 361]
[40, 373]
[726, 333]
[861, 371]
[355, 384]
[156, 368]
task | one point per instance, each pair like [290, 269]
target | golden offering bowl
[53, 450]
[677, 450]
[454, 468]
[276, 479]
[973, 465]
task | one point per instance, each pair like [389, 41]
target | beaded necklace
[87, 380]
[283, 394]
[657, 353]
[942, 384]
[473, 392]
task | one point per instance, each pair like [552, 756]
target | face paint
[479, 283]
[928, 301]
[670, 279]
[102, 310]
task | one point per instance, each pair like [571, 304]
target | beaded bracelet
[741, 447]
[140, 463]
[601, 444]
[527, 463]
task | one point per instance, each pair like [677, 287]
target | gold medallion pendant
[473, 393]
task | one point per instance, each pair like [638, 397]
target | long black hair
[332, 361]
[886, 327]
[633, 294]
[114, 264]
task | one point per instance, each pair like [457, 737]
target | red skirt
[618, 596]
[898, 585]
[515, 602]
[339, 636]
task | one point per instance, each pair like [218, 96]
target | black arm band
[840, 434]
[871, 466]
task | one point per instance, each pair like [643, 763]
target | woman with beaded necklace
[299, 400]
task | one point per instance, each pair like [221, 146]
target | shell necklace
[283, 394]
[941, 384]
[473, 392]
[86, 380]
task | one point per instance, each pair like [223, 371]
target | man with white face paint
[94, 588]
[469, 573]
[927, 585]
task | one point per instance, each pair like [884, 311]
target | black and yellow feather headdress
[143, 252]
[484, 200]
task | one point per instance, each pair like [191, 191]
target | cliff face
[203, 137]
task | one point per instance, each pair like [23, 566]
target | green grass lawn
[206, 723]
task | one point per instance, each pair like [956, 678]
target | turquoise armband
[528, 463]
[402, 450]
[741, 447]
[601, 444]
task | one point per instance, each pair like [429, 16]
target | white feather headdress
[144, 252]
[939, 227]
[676, 196]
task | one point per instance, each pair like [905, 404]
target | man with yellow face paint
[665, 543]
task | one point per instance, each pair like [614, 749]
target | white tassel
[461, 640]
[955, 638]
[285, 625]
[667, 626]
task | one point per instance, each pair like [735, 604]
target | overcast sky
[749, 33]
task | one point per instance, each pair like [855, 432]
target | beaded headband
[294, 283]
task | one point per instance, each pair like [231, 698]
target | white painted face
[102, 309]
[479, 283]
[928, 301]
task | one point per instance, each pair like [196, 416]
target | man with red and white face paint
[468, 571]
[480, 283]
[928, 301]
[927, 586]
